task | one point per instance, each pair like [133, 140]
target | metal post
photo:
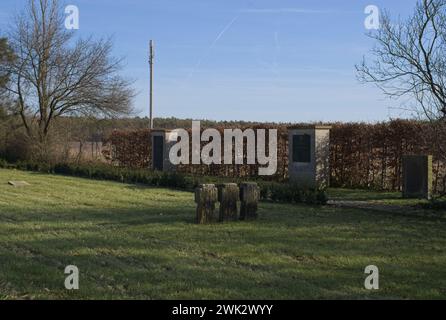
[151, 58]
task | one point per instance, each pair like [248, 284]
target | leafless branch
[54, 75]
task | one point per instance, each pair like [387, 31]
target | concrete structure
[18, 183]
[249, 197]
[309, 155]
[228, 196]
[162, 141]
[205, 197]
[417, 176]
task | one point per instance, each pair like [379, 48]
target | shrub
[16, 146]
[62, 168]
[321, 197]
[435, 204]
[3, 163]
[34, 166]
[265, 191]
[291, 193]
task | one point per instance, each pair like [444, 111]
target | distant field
[132, 242]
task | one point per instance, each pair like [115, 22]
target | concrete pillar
[309, 156]
[162, 141]
[206, 195]
[228, 195]
[249, 196]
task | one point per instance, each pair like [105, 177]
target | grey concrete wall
[322, 151]
[302, 173]
[170, 139]
[316, 173]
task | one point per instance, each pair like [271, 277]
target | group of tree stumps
[228, 195]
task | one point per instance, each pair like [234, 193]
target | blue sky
[259, 60]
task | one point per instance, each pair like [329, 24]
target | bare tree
[6, 56]
[54, 75]
[409, 60]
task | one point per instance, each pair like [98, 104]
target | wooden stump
[249, 196]
[205, 198]
[228, 195]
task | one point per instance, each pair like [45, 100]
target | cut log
[228, 195]
[249, 196]
[206, 196]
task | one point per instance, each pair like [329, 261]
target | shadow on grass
[132, 264]
[158, 276]
[291, 252]
[362, 195]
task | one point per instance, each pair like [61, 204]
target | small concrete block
[18, 183]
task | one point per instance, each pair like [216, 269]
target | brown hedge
[129, 148]
[369, 155]
[362, 155]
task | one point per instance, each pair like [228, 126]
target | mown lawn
[132, 242]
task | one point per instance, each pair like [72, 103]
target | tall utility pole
[151, 58]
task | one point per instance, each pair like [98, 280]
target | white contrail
[226, 28]
[229, 25]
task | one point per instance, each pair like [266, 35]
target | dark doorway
[302, 148]
[415, 181]
[158, 154]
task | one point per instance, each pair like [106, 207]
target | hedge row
[370, 155]
[270, 191]
[361, 155]
[132, 148]
[435, 204]
[291, 193]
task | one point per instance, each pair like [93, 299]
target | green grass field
[132, 242]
